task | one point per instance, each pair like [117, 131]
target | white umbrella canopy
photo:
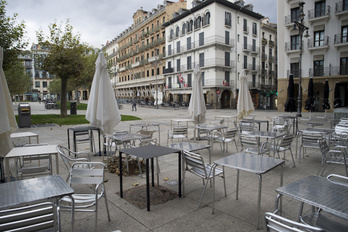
[245, 104]
[102, 109]
[197, 108]
[8, 122]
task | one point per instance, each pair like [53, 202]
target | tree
[11, 37]
[66, 58]
[18, 80]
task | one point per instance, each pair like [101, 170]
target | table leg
[237, 186]
[147, 185]
[259, 202]
[179, 172]
[57, 163]
[99, 142]
[152, 173]
[210, 155]
[7, 168]
[120, 167]
[68, 140]
[213, 167]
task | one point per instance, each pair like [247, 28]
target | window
[44, 84]
[344, 38]
[295, 42]
[169, 82]
[188, 41]
[178, 65]
[201, 60]
[245, 42]
[169, 64]
[254, 29]
[344, 66]
[206, 19]
[228, 20]
[319, 8]
[189, 26]
[245, 65]
[152, 72]
[198, 22]
[245, 25]
[254, 63]
[189, 80]
[345, 5]
[183, 29]
[178, 47]
[171, 34]
[227, 37]
[295, 14]
[318, 38]
[227, 78]
[189, 63]
[201, 39]
[169, 50]
[157, 71]
[37, 84]
[177, 30]
[147, 73]
[295, 69]
[254, 45]
[318, 68]
[254, 80]
[227, 59]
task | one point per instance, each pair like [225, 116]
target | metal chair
[284, 144]
[246, 126]
[279, 124]
[310, 140]
[332, 157]
[42, 165]
[68, 162]
[194, 163]
[178, 132]
[276, 223]
[225, 138]
[85, 136]
[86, 199]
[252, 145]
[37, 217]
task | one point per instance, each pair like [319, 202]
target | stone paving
[183, 214]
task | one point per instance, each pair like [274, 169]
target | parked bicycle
[120, 107]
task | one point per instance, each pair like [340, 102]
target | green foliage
[18, 80]
[40, 119]
[11, 37]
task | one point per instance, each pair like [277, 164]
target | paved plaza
[183, 214]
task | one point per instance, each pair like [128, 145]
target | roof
[208, 2]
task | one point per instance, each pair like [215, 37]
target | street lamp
[301, 28]
[156, 53]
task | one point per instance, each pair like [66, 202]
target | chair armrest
[339, 179]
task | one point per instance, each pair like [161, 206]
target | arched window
[198, 22]
[190, 25]
[183, 29]
[177, 32]
[206, 20]
[171, 34]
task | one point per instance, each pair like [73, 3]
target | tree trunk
[63, 102]
[77, 96]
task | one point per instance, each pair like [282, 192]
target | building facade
[138, 55]
[222, 38]
[324, 53]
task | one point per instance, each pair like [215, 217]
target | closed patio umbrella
[197, 108]
[290, 105]
[337, 96]
[326, 103]
[245, 103]
[102, 109]
[309, 104]
[8, 122]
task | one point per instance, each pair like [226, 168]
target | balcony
[291, 49]
[324, 71]
[341, 9]
[135, 64]
[317, 45]
[247, 48]
[255, 50]
[294, 72]
[314, 16]
[263, 56]
[254, 85]
[271, 44]
[340, 40]
[168, 70]
[246, 29]
[289, 21]
[264, 42]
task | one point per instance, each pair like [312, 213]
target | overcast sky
[96, 21]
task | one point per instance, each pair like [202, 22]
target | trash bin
[73, 107]
[24, 115]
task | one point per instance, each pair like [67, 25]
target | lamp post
[301, 28]
[156, 53]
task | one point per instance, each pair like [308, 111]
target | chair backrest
[246, 126]
[194, 163]
[68, 162]
[180, 130]
[324, 148]
[118, 133]
[286, 141]
[146, 132]
[230, 133]
[311, 137]
[36, 217]
[276, 223]
[279, 121]
[247, 141]
[145, 142]
[93, 175]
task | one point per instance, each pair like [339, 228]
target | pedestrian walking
[134, 105]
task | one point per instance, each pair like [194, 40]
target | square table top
[23, 134]
[210, 127]
[251, 163]
[150, 151]
[322, 130]
[320, 192]
[264, 134]
[128, 137]
[144, 124]
[189, 146]
[34, 150]
[83, 128]
[22, 192]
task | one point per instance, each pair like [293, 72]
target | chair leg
[106, 204]
[292, 157]
[235, 142]
[205, 186]
[139, 165]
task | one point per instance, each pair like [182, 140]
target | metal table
[210, 129]
[318, 192]
[258, 122]
[29, 135]
[227, 118]
[250, 163]
[265, 134]
[294, 122]
[79, 129]
[191, 147]
[148, 153]
[146, 125]
[17, 152]
[29, 191]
